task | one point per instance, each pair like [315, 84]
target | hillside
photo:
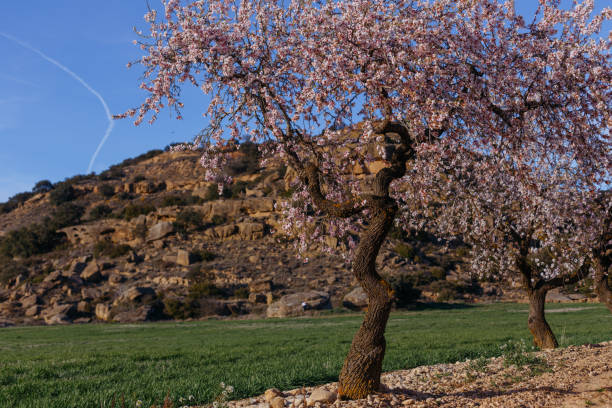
[150, 239]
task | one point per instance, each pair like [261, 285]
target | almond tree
[419, 76]
[594, 223]
[523, 222]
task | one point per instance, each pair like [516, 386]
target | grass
[90, 365]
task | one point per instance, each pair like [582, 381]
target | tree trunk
[601, 285]
[360, 375]
[543, 337]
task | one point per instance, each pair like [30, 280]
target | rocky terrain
[573, 377]
[149, 239]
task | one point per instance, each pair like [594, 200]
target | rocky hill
[150, 239]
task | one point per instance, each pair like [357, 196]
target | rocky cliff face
[149, 239]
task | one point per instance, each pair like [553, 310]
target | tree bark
[360, 375]
[543, 336]
[601, 284]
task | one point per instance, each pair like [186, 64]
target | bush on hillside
[42, 186]
[189, 220]
[29, 241]
[404, 288]
[107, 248]
[107, 190]
[14, 202]
[10, 269]
[100, 211]
[134, 210]
[246, 162]
[64, 215]
[63, 193]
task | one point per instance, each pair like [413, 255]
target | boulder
[29, 301]
[53, 277]
[260, 285]
[91, 273]
[32, 311]
[272, 393]
[138, 294]
[278, 402]
[256, 205]
[83, 307]
[76, 268]
[356, 299]
[251, 230]
[321, 395]
[59, 314]
[221, 232]
[115, 279]
[297, 303]
[140, 314]
[183, 257]
[90, 293]
[103, 312]
[160, 230]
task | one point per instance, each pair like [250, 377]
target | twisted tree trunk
[362, 368]
[543, 336]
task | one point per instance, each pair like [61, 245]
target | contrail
[111, 122]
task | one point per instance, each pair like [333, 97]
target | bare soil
[576, 376]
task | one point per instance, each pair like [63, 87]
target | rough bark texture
[601, 284]
[543, 336]
[362, 368]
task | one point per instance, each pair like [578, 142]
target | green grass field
[87, 365]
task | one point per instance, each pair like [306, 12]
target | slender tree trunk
[360, 375]
[601, 285]
[543, 336]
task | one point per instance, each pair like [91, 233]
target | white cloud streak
[111, 122]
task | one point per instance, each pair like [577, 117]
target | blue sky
[50, 124]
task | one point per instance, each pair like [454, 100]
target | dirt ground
[576, 376]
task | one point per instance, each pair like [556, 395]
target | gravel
[576, 376]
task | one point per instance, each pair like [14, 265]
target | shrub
[10, 269]
[124, 195]
[203, 255]
[178, 309]
[66, 214]
[246, 162]
[28, 241]
[134, 210]
[404, 288]
[212, 193]
[63, 193]
[204, 289]
[238, 189]
[42, 186]
[405, 251]
[241, 293]
[218, 219]
[447, 290]
[107, 248]
[188, 220]
[107, 190]
[286, 193]
[14, 202]
[202, 283]
[438, 273]
[100, 211]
